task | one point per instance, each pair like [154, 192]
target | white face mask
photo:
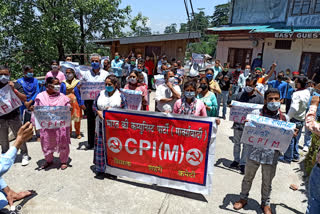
[171, 80]
[133, 80]
[56, 88]
[246, 71]
[4, 79]
[70, 76]
[54, 67]
[248, 89]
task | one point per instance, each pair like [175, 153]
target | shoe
[79, 136]
[266, 209]
[306, 149]
[234, 164]
[99, 176]
[63, 166]
[224, 117]
[25, 160]
[89, 147]
[46, 165]
[281, 159]
[240, 204]
[242, 169]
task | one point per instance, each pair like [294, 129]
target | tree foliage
[37, 31]
[171, 29]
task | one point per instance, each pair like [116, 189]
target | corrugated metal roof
[236, 28]
[152, 38]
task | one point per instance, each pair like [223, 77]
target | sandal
[63, 166]
[79, 136]
[46, 165]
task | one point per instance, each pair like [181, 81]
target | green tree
[221, 15]
[171, 29]
[36, 31]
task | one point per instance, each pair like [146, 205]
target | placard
[133, 98]
[52, 117]
[240, 110]
[90, 90]
[8, 100]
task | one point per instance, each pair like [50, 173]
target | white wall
[288, 58]
[223, 48]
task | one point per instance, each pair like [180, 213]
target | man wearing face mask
[167, 93]
[249, 95]
[257, 62]
[11, 119]
[235, 80]
[217, 68]
[31, 89]
[243, 77]
[96, 74]
[224, 79]
[267, 158]
[116, 66]
[55, 72]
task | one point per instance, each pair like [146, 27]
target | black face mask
[204, 87]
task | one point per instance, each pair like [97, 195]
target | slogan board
[133, 98]
[52, 117]
[173, 151]
[159, 79]
[239, 111]
[8, 100]
[90, 90]
[264, 132]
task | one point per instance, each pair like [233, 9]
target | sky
[165, 12]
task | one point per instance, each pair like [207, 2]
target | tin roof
[152, 38]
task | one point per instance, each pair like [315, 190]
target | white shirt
[163, 92]
[90, 76]
[299, 104]
[145, 76]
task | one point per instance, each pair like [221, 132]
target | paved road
[76, 191]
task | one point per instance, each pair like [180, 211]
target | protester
[96, 74]
[134, 85]
[279, 84]
[288, 73]
[314, 184]
[140, 68]
[217, 68]
[108, 98]
[167, 93]
[243, 77]
[296, 114]
[11, 119]
[224, 79]
[267, 158]
[69, 88]
[189, 104]
[54, 140]
[55, 72]
[116, 66]
[31, 89]
[69, 59]
[235, 88]
[263, 79]
[7, 195]
[214, 86]
[257, 62]
[207, 97]
[249, 95]
[106, 65]
[149, 64]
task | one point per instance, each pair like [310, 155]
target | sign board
[52, 117]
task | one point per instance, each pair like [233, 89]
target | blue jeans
[307, 137]
[314, 191]
[3, 199]
[235, 91]
[237, 148]
[224, 95]
[293, 149]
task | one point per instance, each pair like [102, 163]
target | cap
[295, 73]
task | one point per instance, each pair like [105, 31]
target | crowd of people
[178, 92]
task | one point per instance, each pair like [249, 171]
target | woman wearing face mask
[207, 97]
[54, 140]
[108, 98]
[69, 88]
[31, 89]
[189, 104]
[55, 72]
[133, 84]
[213, 84]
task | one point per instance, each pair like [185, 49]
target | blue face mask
[209, 76]
[189, 94]
[273, 106]
[95, 65]
[139, 69]
[109, 88]
[29, 75]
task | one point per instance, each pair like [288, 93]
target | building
[284, 31]
[173, 45]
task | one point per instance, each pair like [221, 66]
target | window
[310, 65]
[301, 7]
[317, 7]
[283, 44]
[239, 55]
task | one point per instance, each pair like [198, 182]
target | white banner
[133, 98]
[52, 117]
[239, 111]
[90, 90]
[8, 100]
[264, 132]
